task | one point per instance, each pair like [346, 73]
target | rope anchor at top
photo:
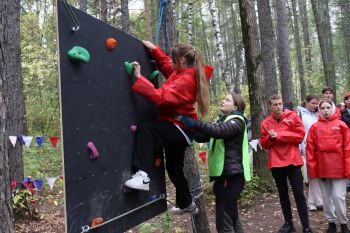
[72, 16]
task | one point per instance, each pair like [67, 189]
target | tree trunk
[103, 11]
[325, 40]
[267, 45]
[167, 39]
[9, 68]
[299, 55]
[125, 16]
[305, 23]
[285, 67]
[190, 23]
[82, 5]
[258, 101]
[345, 24]
[219, 47]
[147, 21]
[239, 70]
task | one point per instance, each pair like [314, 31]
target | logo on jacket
[335, 127]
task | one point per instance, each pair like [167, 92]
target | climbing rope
[162, 6]
[72, 16]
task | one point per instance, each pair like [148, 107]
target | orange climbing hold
[111, 43]
[96, 221]
[158, 162]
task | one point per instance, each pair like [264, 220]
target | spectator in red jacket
[185, 85]
[328, 158]
[281, 134]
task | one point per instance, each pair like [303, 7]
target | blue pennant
[39, 141]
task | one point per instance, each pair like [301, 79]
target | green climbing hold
[154, 75]
[129, 67]
[79, 54]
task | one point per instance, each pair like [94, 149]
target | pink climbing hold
[133, 128]
[93, 151]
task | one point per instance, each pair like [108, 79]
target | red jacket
[176, 96]
[284, 150]
[328, 149]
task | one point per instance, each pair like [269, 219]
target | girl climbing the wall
[185, 84]
[228, 158]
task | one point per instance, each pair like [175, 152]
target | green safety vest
[216, 155]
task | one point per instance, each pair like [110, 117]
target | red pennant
[208, 70]
[13, 185]
[203, 156]
[54, 141]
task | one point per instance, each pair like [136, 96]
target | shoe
[307, 230]
[319, 207]
[344, 228]
[191, 209]
[312, 207]
[332, 228]
[138, 181]
[287, 228]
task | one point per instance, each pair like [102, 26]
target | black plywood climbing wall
[97, 106]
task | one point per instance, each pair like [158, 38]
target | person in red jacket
[281, 134]
[328, 158]
[185, 84]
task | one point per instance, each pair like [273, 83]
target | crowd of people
[307, 146]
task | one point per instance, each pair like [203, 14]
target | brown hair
[308, 98]
[325, 101]
[239, 101]
[328, 88]
[194, 59]
[274, 97]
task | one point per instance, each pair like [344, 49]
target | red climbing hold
[111, 43]
[96, 221]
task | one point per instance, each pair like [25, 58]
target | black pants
[227, 191]
[293, 173]
[155, 136]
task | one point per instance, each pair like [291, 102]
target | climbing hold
[93, 151]
[111, 43]
[154, 75]
[79, 54]
[153, 197]
[133, 128]
[129, 68]
[96, 221]
[157, 162]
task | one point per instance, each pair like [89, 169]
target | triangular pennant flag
[38, 184]
[13, 140]
[200, 145]
[254, 143]
[54, 141]
[208, 145]
[51, 181]
[39, 141]
[203, 156]
[27, 140]
[20, 139]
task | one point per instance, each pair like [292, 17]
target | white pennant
[200, 145]
[13, 140]
[27, 140]
[51, 181]
[254, 143]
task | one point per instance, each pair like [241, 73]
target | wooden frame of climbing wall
[97, 106]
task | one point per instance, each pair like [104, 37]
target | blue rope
[162, 5]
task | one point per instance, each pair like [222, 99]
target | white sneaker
[312, 207]
[191, 209]
[139, 180]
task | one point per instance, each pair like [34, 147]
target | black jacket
[232, 132]
[345, 116]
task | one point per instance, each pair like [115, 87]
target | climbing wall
[97, 106]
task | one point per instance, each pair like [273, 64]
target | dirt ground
[264, 215]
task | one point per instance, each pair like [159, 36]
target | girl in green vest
[228, 158]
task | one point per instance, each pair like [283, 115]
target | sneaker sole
[137, 187]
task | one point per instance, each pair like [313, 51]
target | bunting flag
[13, 140]
[200, 145]
[27, 140]
[51, 181]
[39, 141]
[54, 141]
[203, 156]
[20, 139]
[208, 145]
[254, 143]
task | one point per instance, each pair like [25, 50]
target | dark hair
[325, 101]
[328, 88]
[308, 98]
[274, 97]
[239, 101]
[194, 59]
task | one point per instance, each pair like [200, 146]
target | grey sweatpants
[333, 195]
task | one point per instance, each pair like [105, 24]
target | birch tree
[345, 26]
[82, 5]
[190, 21]
[306, 37]
[125, 16]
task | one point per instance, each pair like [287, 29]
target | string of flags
[33, 185]
[27, 140]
